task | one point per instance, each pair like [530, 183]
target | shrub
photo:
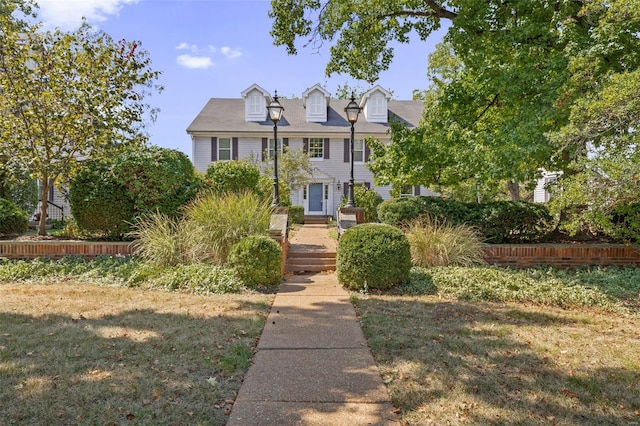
[198, 278]
[514, 221]
[257, 260]
[233, 176]
[373, 256]
[107, 196]
[368, 199]
[624, 223]
[296, 214]
[99, 205]
[13, 221]
[215, 222]
[398, 210]
[435, 243]
[497, 221]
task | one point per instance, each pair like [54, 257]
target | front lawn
[490, 346]
[77, 353]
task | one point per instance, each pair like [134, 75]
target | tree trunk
[514, 190]
[44, 196]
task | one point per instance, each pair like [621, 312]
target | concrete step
[315, 220]
[310, 268]
[312, 261]
[311, 255]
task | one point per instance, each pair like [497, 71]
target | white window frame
[270, 148]
[225, 149]
[255, 104]
[361, 150]
[404, 194]
[316, 154]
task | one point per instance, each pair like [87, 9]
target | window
[377, 105]
[406, 191]
[314, 103]
[316, 148]
[224, 149]
[254, 104]
[270, 149]
[358, 151]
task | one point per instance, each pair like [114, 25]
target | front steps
[316, 220]
[302, 262]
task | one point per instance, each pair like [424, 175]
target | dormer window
[255, 103]
[375, 105]
[316, 102]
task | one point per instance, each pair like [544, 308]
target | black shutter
[234, 148]
[285, 141]
[346, 151]
[367, 185]
[367, 152]
[214, 149]
[305, 145]
[265, 147]
[416, 190]
[326, 148]
[345, 189]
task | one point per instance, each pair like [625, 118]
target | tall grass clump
[437, 243]
[160, 240]
[215, 222]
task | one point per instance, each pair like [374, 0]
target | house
[541, 192]
[239, 128]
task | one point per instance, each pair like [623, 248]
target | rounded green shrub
[373, 256]
[13, 221]
[257, 260]
[233, 176]
[99, 205]
[108, 196]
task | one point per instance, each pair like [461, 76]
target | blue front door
[315, 197]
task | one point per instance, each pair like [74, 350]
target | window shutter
[265, 147]
[234, 148]
[214, 149]
[285, 141]
[345, 189]
[50, 195]
[346, 151]
[367, 152]
[305, 145]
[326, 148]
[367, 185]
[416, 190]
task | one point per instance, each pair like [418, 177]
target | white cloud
[230, 53]
[186, 46]
[195, 62]
[67, 14]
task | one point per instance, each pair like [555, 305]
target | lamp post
[275, 113]
[353, 110]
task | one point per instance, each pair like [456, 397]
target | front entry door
[315, 197]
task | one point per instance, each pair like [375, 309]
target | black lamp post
[275, 113]
[353, 110]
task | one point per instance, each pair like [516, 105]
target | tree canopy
[515, 86]
[70, 96]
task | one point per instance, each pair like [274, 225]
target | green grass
[608, 289]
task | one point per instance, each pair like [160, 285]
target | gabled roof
[246, 91]
[317, 87]
[374, 89]
[224, 115]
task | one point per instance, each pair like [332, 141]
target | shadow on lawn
[136, 366]
[483, 363]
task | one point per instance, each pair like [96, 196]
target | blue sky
[218, 48]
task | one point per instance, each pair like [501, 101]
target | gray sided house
[239, 128]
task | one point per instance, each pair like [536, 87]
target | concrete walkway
[313, 366]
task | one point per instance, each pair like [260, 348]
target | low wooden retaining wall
[55, 249]
[562, 255]
[521, 256]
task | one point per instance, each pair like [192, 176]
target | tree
[294, 172]
[506, 78]
[68, 97]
